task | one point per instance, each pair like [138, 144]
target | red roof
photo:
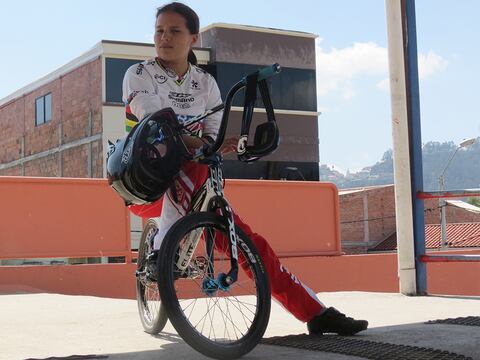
[460, 235]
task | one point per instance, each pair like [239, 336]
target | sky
[352, 58]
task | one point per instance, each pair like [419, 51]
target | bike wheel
[152, 313]
[226, 323]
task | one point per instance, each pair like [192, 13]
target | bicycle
[206, 263]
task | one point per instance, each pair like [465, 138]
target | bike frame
[211, 196]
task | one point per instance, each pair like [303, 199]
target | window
[114, 72]
[293, 89]
[43, 109]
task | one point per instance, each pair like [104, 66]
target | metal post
[443, 220]
[416, 170]
[402, 51]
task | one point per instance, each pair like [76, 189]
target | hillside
[462, 173]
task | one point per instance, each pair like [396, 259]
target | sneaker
[333, 321]
[151, 268]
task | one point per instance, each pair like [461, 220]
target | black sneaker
[333, 321]
[151, 267]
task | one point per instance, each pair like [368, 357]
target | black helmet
[144, 164]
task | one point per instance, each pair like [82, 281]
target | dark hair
[191, 18]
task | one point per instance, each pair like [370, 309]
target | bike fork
[213, 201]
[218, 202]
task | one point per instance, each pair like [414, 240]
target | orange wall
[81, 217]
[52, 217]
[298, 218]
[61, 217]
[377, 273]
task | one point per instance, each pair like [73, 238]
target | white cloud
[338, 69]
[384, 85]
[430, 64]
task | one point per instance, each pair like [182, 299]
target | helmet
[143, 165]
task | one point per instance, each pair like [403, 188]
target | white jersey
[148, 87]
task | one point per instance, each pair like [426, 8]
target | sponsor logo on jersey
[170, 72]
[140, 68]
[160, 78]
[194, 85]
[181, 100]
[135, 93]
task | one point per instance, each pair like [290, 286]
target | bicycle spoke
[231, 319]
[228, 311]
[225, 332]
[194, 302]
[204, 316]
[213, 318]
[240, 307]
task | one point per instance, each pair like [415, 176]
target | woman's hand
[193, 142]
[229, 145]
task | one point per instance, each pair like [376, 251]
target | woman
[173, 80]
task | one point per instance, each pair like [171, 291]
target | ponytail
[192, 58]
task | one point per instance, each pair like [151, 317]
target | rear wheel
[152, 313]
[223, 322]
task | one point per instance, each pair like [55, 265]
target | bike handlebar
[262, 74]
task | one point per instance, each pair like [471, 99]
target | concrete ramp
[51, 326]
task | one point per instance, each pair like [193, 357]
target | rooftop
[259, 29]
[460, 235]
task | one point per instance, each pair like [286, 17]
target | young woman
[173, 80]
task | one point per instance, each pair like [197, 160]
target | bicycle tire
[249, 260]
[150, 308]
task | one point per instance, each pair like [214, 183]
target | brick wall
[368, 216]
[76, 114]
[12, 118]
[46, 166]
[13, 171]
[453, 214]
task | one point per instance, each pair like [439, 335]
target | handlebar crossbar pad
[268, 71]
[266, 138]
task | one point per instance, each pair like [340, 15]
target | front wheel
[218, 321]
[152, 312]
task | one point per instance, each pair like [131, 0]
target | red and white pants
[296, 297]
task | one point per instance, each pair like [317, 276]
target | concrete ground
[41, 326]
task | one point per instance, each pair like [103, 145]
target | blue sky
[352, 71]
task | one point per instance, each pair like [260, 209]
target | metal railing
[423, 195]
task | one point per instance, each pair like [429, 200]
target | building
[367, 220]
[59, 125]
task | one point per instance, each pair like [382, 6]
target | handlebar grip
[268, 71]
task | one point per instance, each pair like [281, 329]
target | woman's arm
[212, 122]
[229, 144]
[139, 93]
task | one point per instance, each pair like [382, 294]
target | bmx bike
[210, 281]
